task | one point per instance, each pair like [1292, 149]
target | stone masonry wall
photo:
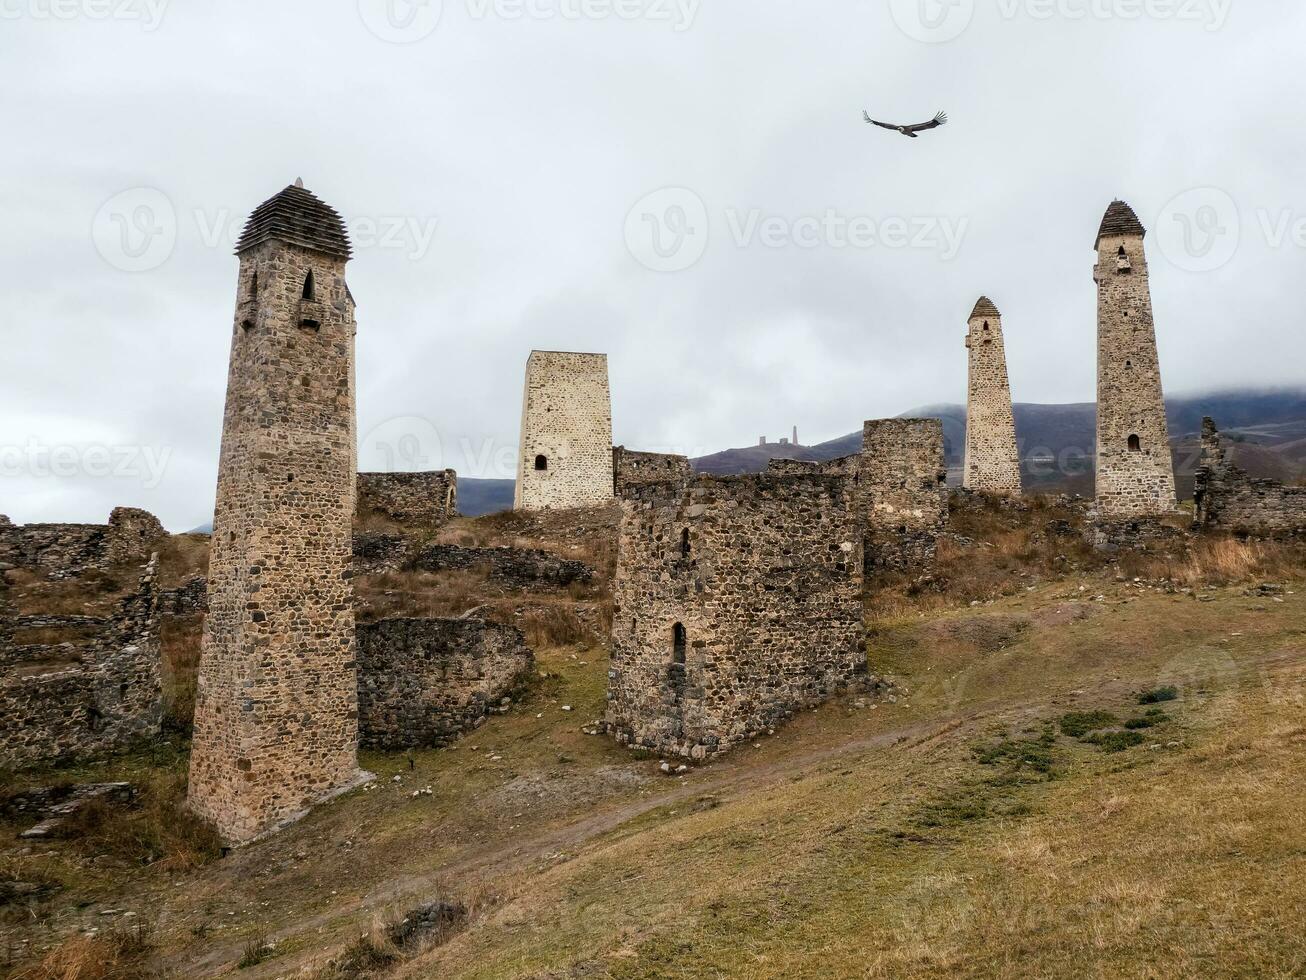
[566, 432]
[276, 717]
[1228, 499]
[738, 601]
[904, 492]
[69, 549]
[427, 500]
[632, 468]
[992, 461]
[424, 682]
[1135, 474]
[94, 692]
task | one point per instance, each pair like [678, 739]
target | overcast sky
[500, 166]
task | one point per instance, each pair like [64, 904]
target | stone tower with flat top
[276, 714]
[992, 462]
[1135, 475]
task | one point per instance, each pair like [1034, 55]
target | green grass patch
[1149, 719]
[1077, 724]
[1158, 695]
[1020, 754]
[1115, 741]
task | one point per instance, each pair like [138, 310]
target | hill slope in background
[1267, 428]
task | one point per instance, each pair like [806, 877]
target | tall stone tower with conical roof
[992, 462]
[1135, 475]
[276, 714]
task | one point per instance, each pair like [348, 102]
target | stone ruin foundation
[1228, 499]
[425, 500]
[424, 682]
[738, 601]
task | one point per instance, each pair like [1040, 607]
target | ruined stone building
[992, 462]
[904, 483]
[81, 686]
[424, 682]
[276, 716]
[426, 500]
[1135, 474]
[738, 600]
[64, 550]
[566, 432]
[631, 469]
[1226, 498]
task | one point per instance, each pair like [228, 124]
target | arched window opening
[310, 288]
[1122, 260]
[986, 324]
[1129, 365]
[541, 463]
[684, 543]
[678, 644]
[1135, 444]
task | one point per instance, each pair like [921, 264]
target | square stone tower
[565, 458]
[276, 714]
[738, 601]
[1135, 475]
[992, 462]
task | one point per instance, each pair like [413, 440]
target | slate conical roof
[1119, 220]
[984, 307]
[297, 217]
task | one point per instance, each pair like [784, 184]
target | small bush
[1158, 695]
[1031, 753]
[1077, 724]
[257, 950]
[1149, 719]
[1115, 741]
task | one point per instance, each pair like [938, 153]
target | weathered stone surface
[904, 486]
[276, 716]
[1135, 474]
[65, 550]
[1228, 499]
[375, 554]
[566, 432]
[992, 461]
[737, 602]
[423, 682]
[96, 693]
[425, 500]
[512, 566]
[632, 469]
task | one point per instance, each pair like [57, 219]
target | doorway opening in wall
[678, 644]
[1135, 444]
[309, 286]
[541, 464]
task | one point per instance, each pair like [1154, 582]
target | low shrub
[1077, 724]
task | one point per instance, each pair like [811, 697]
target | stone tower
[276, 714]
[565, 458]
[1135, 475]
[992, 461]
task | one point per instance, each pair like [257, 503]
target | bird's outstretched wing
[875, 122]
[938, 120]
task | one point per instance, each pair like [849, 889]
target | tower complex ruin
[565, 459]
[1135, 474]
[992, 462]
[276, 715]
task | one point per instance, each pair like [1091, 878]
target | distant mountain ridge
[1057, 441]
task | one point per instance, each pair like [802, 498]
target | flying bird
[911, 131]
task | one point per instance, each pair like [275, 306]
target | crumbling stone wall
[424, 682]
[64, 550]
[738, 601]
[91, 689]
[428, 500]
[566, 432]
[992, 461]
[631, 468]
[512, 566]
[1227, 498]
[1135, 474]
[904, 492]
[276, 715]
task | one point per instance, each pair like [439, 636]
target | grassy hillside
[1003, 805]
